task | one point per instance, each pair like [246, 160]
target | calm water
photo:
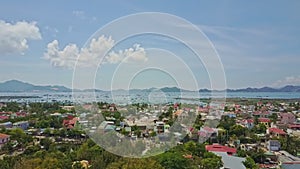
[133, 97]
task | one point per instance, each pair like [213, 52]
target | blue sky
[258, 42]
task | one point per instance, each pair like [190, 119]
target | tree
[19, 135]
[173, 160]
[46, 142]
[241, 153]
[226, 122]
[258, 156]
[260, 128]
[249, 163]
[213, 162]
[129, 163]
[12, 106]
[273, 117]
[195, 148]
[238, 130]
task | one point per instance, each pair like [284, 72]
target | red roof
[294, 126]
[264, 120]
[248, 121]
[220, 148]
[276, 130]
[208, 129]
[4, 117]
[202, 133]
[267, 165]
[4, 136]
[70, 123]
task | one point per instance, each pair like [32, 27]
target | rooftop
[220, 148]
[4, 136]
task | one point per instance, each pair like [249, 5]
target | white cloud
[91, 55]
[135, 54]
[290, 80]
[14, 36]
[68, 56]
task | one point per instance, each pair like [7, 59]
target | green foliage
[129, 163]
[46, 142]
[173, 160]
[226, 122]
[241, 153]
[249, 163]
[11, 106]
[260, 128]
[19, 135]
[258, 156]
[237, 130]
[211, 163]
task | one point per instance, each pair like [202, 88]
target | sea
[127, 97]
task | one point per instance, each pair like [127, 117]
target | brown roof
[3, 136]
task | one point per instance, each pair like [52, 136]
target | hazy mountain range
[19, 86]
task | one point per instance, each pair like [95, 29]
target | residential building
[6, 125]
[21, 124]
[265, 121]
[4, 138]
[275, 132]
[248, 123]
[273, 145]
[70, 122]
[287, 118]
[231, 162]
[220, 148]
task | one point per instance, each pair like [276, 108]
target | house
[275, 132]
[6, 125]
[231, 162]
[248, 123]
[294, 126]
[68, 108]
[4, 117]
[273, 145]
[290, 165]
[180, 114]
[265, 121]
[287, 118]
[159, 127]
[18, 114]
[21, 124]
[220, 148]
[70, 122]
[176, 106]
[206, 132]
[4, 138]
[230, 114]
[112, 107]
[248, 147]
[259, 114]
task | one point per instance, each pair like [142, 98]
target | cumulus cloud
[70, 54]
[290, 80]
[14, 36]
[92, 54]
[134, 54]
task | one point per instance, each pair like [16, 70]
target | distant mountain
[288, 88]
[18, 86]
